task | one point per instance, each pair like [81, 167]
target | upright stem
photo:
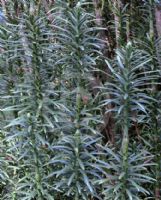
[125, 145]
[3, 2]
[157, 145]
[38, 174]
[117, 6]
[158, 28]
[157, 167]
[37, 93]
[158, 19]
[128, 26]
[78, 106]
[151, 25]
[99, 22]
[36, 157]
[98, 12]
[77, 136]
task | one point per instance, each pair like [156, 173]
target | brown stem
[117, 5]
[3, 3]
[99, 21]
[47, 5]
[158, 19]
[107, 129]
[158, 29]
[98, 12]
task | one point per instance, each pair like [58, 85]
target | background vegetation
[80, 100]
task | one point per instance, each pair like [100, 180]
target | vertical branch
[117, 6]
[3, 2]
[117, 20]
[155, 51]
[158, 29]
[98, 12]
[47, 7]
[125, 146]
[99, 22]
[128, 29]
[107, 129]
[158, 19]
[151, 25]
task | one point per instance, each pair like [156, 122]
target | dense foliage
[80, 100]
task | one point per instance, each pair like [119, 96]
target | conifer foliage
[72, 77]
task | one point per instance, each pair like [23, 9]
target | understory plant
[31, 102]
[129, 73]
[41, 110]
[61, 83]
[76, 158]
